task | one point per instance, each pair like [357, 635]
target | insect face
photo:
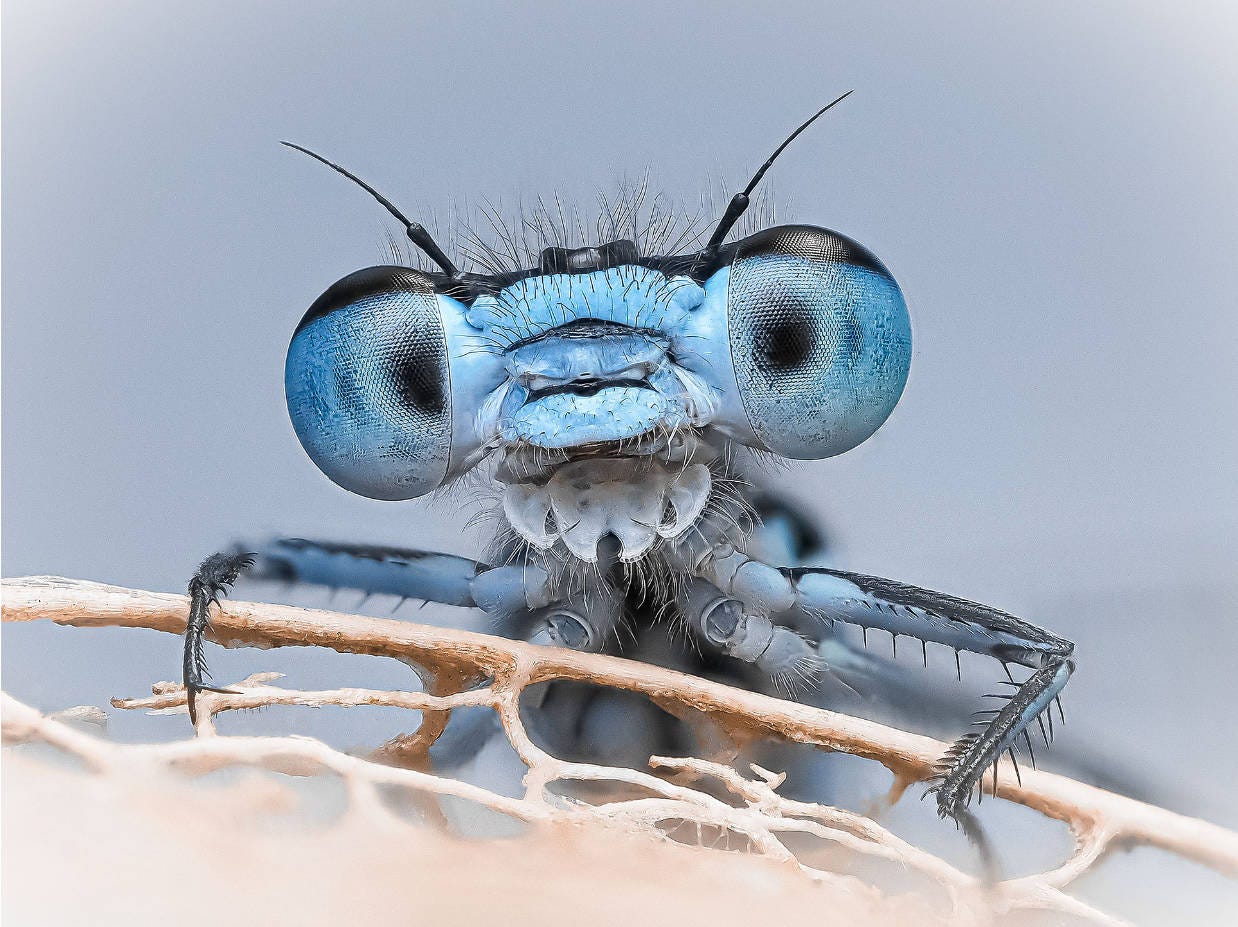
[606, 382]
[796, 341]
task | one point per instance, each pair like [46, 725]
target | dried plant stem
[1098, 820]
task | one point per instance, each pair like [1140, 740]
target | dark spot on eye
[419, 377]
[786, 342]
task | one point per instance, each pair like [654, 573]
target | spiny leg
[375, 570]
[520, 599]
[871, 602]
[213, 578]
[902, 609]
[409, 573]
[514, 595]
[580, 615]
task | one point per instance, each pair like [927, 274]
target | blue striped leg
[822, 594]
[901, 609]
[410, 574]
[429, 576]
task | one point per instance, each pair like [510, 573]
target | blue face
[795, 340]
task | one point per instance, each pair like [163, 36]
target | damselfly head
[794, 340]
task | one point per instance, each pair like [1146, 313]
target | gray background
[1053, 184]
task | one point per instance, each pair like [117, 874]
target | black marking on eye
[786, 342]
[372, 281]
[812, 243]
[419, 376]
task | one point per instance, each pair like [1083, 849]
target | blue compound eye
[820, 340]
[368, 384]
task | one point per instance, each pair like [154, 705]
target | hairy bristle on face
[491, 238]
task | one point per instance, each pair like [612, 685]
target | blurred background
[1052, 184]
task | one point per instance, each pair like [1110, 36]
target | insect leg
[901, 609]
[413, 574]
[430, 576]
[213, 578]
[584, 619]
[724, 623]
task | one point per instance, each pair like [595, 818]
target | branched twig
[759, 816]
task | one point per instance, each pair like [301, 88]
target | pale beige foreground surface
[153, 851]
[124, 840]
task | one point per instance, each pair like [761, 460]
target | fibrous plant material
[708, 794]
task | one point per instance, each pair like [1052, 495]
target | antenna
[416, 231]
[739, 202]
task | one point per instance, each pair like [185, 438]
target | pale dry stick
[301, 756]
[252, 692]
[865, 834]
[304, 756]
[770, 813]
[1097, 819]
[763, 819]
[785, 814]
[674, 803]
[853, 831]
